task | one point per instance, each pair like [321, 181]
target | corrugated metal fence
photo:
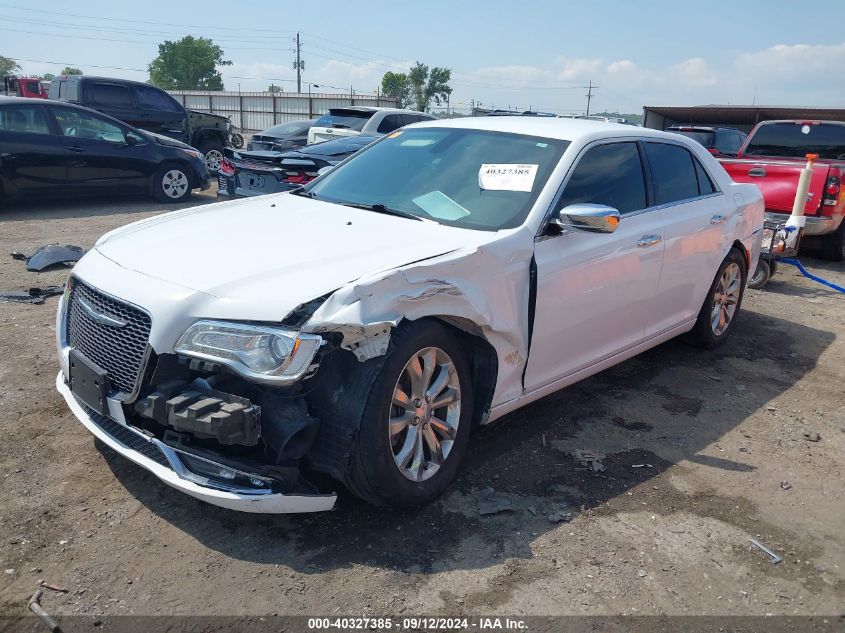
[256, 111]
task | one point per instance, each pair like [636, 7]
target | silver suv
[354, 120]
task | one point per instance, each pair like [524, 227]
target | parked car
[361, 325]
[369, 121]
[772, 159]
[282, 137]
[259, 173]
[54, 148]
[719, 141]
[147, 108]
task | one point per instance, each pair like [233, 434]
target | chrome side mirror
[595, 218]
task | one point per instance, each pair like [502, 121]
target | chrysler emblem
[99, 317]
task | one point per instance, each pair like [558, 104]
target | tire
[237, 141]
[171, 183]
[762, 275]
[213, 152]
[708, 332]
[375, 473]
[833, 245]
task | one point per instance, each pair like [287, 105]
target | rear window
[703, 137]
[794, 140]
[346, 119]
[288, 129]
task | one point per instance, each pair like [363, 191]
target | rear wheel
[171, 184]
[833, 245]
[416, 423]
[761, 276]
[721, 307]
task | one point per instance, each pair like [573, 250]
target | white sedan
[363, 325]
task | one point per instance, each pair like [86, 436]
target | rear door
[697, 222]
[98, 154]
[113, 99]
[32, 158]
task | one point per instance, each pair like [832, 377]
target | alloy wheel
[174, 183]
[213, 159]
[424, 414]
[725, 299]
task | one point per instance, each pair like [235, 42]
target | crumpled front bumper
[174, 474]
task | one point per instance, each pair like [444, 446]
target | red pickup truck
[772, 158]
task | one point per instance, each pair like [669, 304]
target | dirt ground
[703, 452]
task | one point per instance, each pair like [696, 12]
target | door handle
[75, 148]
[718, 219]
[649, 240]
[757, 172]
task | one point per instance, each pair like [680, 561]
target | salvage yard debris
[492, 502]
[35, 606]
[50, 255]
[35, 296]
[774, 557]
[590, 459]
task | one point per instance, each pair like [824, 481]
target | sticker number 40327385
[506, 176]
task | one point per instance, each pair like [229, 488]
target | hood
[161, 139]
[272, 253]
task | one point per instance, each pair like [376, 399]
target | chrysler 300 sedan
[362, 325]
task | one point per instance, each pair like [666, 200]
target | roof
[747, 115]
[548, 127]
[373, 109]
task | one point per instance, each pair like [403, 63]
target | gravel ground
[702, 451]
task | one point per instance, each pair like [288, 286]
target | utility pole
[299, 66]
[590, 89]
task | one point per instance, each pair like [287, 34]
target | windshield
[468, 178]
[703, 137]
[794, 140]
[352, 119]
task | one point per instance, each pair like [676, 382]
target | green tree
[275, 89]
[396, 86]
[70, 70]
[8, 66]
[188, 64]
[48, 77]
[427, 84]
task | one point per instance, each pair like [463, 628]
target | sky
[540, 54]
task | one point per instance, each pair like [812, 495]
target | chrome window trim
[547, 217]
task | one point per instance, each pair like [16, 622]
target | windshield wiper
[301, 191]
[380, 208]
[342, 126]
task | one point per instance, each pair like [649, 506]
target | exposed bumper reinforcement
[267, 503]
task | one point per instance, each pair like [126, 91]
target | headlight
[262, 353]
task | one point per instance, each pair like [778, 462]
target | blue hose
[808, 275]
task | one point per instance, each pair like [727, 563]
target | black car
[719, 141]
[54, 148]
[147, 108]
[282, 137]
[258, 173]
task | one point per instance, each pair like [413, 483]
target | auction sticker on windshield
[507, 177]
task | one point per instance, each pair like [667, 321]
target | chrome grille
[120, 351]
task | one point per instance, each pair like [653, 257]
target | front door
[595, 290]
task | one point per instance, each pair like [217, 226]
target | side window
[722, 141]
[674, 173]
[81, 124]
[113, 95]
[389, 123]
[705, 185]
[28, 120]
[737, 142]
[154, 99]
[608, 174]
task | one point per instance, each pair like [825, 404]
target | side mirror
[595, 218]
[324, 170]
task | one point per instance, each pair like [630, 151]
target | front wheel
[171, 184]
[416, 423]
[721, 306]
[213, 152]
